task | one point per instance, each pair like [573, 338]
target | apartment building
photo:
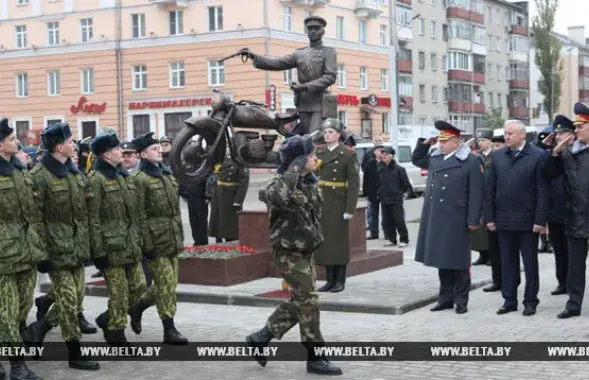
[146, 65]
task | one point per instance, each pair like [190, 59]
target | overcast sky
[570, 13]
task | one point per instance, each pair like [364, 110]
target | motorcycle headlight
[217, 101]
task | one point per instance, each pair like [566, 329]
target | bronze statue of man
[316, 70]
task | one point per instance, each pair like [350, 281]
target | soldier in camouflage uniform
[162, 236]
[21, 247]
[59, 186]
[294, 208]
[115, 243]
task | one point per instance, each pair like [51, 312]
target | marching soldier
[161, 231]
[114, 236]
[227, 187]
[130, 161]
[22, 248]
[59, 186]
[339, 181]
[166, 144]
[453, 207]
[294, 209]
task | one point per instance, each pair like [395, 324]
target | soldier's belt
[227, 184]
[332, 184]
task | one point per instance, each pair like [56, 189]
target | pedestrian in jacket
[370, 190]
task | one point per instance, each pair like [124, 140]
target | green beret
[55, 134]
[104, 143]
[145, 141]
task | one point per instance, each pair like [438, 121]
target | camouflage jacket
[60, 194]
[112, 215]
[159, 219]
[294, 209]
[21, 246]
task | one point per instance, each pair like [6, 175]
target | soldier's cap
[484, 133]
[447, 130]
[389, 150]
[143, 142]
[164, 139]
[562, 124]
[582, 113]
[84, 144]
[128, 147]
[104, 143]
[499, 139]
[315, 20]
[103, 130]
[55, 134]
[378, 146]
[334, 124]
[294, 147]
[5, 128]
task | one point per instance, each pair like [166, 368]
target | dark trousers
[374, 217]
[454, 286]
[148, 279]
[495, 256]
[511, 244]
[198, 214]
[561, 251]
[393, 220]
[309, 122]
[576, 274]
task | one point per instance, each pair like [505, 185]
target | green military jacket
[21, 246]
[294, 210]
[159, 219]
[60, 195]
[112, 215]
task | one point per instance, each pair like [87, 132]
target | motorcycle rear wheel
[186, 157]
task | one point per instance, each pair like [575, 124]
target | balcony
[170, 3]
[466, 107]
[405, 66]
[584, 71]
[519, 112]
[518, 56]
[519, 29]
[367, 9]
[465, 14]
[406, 2]
[518, 84]
[306, 3]
[466, 76]
[584, 95]
[406, 103]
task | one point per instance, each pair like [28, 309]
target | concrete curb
[245, 300]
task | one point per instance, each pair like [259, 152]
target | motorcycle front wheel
[188, 157]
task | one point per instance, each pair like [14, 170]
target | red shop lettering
[347, 100]
[85, 107]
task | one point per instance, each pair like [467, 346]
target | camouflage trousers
[51, 296]
[298, 270]
[125, 285]
[16, 299]
[68, 288]
[162, 293]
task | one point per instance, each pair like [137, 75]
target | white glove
[348, 216]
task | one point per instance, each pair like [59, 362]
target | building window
[491, 99]
[384, 80]
[215, 18]
[216, 73]
[421, 26]
[405, 85]
[499, 73]
[434, 61]
[287, 18]
[404, 16]
[445, 94]
[497, 16]
[422, 93]
[176, 23]
[434, 94]
[22, 127]
[343, 117]
[460, 30]
[53, 33]
[53, 85]
[499, 101]
[422, 121]
[489, 41]
[290, 76]
[177, 75]
[499, 42]
[405, 55]
[432, 29]
[479, 35]
[139, 78]
[478, 63]
[341, 76]
[363, 78]
[421, 58]
[86, 30]
[22, 85]
[385, 121]
[138, 25]
[460, 92]
[383, 35]
[444, 63]
[87, 80]
[21, 36]
[140, 125]
[489, 71]
[458, 61]
[362, 31]
[405, 118]
[339, 27]
[519, 43]
[23, 2]
[307, 13]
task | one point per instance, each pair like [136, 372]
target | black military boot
[85, 326]
[41, 328]
[19, 370]
[260, 339]
[116, 338]
[318, 364]
[340, 279]
[330, 276]
[2, 372]
[171, 335]
[27, 334]
[136, 313]
[102, 323]
[43, 304]
[77, 361]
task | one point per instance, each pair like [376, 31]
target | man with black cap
[130, 161]
[453, 207]
[294, 210]
[166, 144]
[498, 142]
[83, 151]
[570, 158]
[23, 252]
[160, 225]
[480, 237]
[339, 180]
[114, 236]
[316, 70]
[59, 186]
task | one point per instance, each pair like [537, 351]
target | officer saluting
[453, 207]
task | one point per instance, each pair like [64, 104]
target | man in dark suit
[370, 189]
[517, 207]
[453, 206]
